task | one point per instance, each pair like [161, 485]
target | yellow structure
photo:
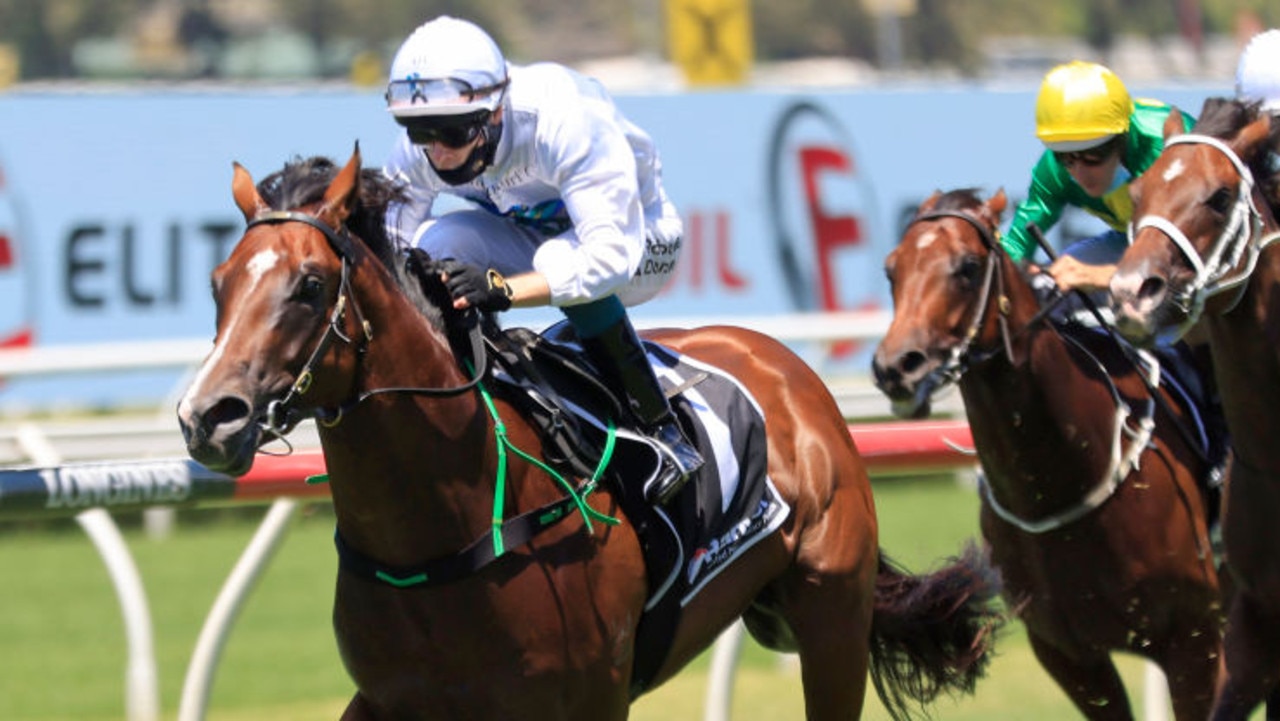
[367, 70]
[711, 40]
[10, 65]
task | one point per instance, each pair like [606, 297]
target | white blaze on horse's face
[257, 267]
[1176, 168]
[926, 239]
[259, 264]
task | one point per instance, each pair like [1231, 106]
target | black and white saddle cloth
[729, 507]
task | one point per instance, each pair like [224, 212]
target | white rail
[148, 355]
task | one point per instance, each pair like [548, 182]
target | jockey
[567, 204]
[1096, 140]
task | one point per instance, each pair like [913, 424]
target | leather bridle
[283, 414]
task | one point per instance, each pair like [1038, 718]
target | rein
[281, 414]
[1241, 238]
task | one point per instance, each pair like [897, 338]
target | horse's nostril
[1151, 288]
[911, 362]
[227, 410]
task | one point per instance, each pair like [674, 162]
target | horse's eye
[311, 289]
[969, 269]
[1221, 200]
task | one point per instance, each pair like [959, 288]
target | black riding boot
[621, 358]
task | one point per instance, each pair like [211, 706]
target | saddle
[558, 389]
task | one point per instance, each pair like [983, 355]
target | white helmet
[446, 67]
[1258, 74]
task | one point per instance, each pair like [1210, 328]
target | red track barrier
[904, 447]
[275, 476]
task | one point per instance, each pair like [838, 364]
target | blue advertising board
[115, 206]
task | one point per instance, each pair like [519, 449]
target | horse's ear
[1173, 124]
[929, 202]
[1253, 137]
[997, 203]
[246, 193]
[340, 198]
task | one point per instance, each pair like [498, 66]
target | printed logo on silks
[823, 213]
[15, 319]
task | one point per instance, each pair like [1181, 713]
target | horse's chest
[432, 646]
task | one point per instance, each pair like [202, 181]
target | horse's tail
[934, 632]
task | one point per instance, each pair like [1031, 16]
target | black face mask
[480, 158]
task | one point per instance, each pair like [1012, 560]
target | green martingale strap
[578, 496]
[505, 532]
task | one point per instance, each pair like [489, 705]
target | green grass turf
[62, 646]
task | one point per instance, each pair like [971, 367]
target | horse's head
[282, 300]
[1198, 218]
[944, 279]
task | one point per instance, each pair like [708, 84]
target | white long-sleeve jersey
[566, 151]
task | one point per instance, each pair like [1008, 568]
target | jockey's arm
[529, 290]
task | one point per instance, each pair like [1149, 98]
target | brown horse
[1093, 516]
[315, 309]
[1202, 254]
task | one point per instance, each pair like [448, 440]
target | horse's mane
[958, 199]
[1223, 118]
[303, 181]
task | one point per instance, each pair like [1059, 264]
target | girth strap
[480, 553]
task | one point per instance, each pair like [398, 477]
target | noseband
[282, 414]
[1241, 238]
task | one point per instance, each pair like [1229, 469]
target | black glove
[484, 289]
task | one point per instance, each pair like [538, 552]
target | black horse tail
[933, 633]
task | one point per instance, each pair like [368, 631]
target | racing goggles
[451, 131]
[416, 96]
[1091, 158]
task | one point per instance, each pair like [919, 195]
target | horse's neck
[1246, 354]
[405, 468]
[1037, 418]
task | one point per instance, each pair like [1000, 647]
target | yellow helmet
[1081, 105]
